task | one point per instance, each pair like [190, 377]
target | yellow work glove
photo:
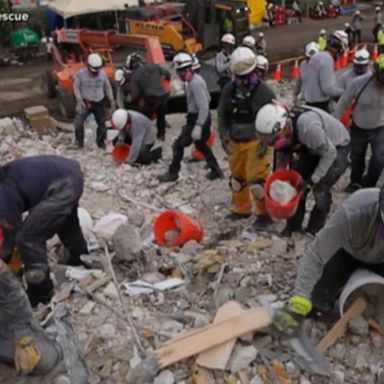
[27, 355]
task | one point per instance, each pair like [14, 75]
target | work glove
[80, 105]
[197, 132]
[27, 355]
[289, 319]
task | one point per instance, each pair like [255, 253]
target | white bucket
[111, 135]
[368, 282]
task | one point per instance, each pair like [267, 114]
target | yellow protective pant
[247, 167]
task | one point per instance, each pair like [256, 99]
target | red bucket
[185, 228]
[197, 155]
[120, 153]
[287, 210]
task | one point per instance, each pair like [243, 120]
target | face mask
[280, 143]
[247, 81]
[360, 69]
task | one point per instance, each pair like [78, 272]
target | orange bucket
[197, 155]
[184, 227]
[287, 210]
[120, 153]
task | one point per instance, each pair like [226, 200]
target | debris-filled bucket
[174, 228]
[120, 153]
[197, 155]
[366, 282]
[283, 209]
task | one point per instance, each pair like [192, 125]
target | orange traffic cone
[337, 64]
[344, 60]
[277, 73]
[295, 70]
[375, 53]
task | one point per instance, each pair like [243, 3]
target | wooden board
[218, 357]
[339, 329]
[212, 336]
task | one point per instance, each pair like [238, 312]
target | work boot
[168, 177]
[352, 187]
[261, 223]
[316, 221]
[215, 173]
[39, 292]
[234, 216]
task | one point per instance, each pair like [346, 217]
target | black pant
[306, 165]
[336, 274]
[99, 111]
[360, 139]
[149, 155]
[324, 105]
[55, 214]
[298, 15]
[375, 31]
[223, 81]
[185, 139]
[156, 105]
[357, 36]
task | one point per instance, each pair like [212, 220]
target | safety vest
[322, 41]
[241, 106]
[380, 37]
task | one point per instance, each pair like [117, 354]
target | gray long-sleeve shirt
[300, 83]
[90, 87]
[356, 21]
[348, 76]
[369, 109]
[198, 98]
[378, 18]
[321, 133]
[223, 64]
[354, 227]
[321, 84]
[142, 133]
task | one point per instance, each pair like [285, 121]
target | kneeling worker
[137, 130]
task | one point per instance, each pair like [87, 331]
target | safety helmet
[377, 8]
[195, 63]
[270, 120]
[338, 40]
[261, 34]
[323, 32]
[357, 12]
[262, 63]
[120, 118]
[249, 41]
[228, 38]
[243, 61]
[321, 3]
[270, 5]
[120, 76]
[133, 60]
[347, 25]
[95, 62]
[182, 60]
[361, 57]
[311, 49]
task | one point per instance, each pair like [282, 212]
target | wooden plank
[218, 357]
[212, 336]
[339, 329]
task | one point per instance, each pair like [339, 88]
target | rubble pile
[170, 291]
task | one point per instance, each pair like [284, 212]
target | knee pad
[257, 190]
[236, 185]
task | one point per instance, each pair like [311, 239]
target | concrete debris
[282, 192]
[242, 357]
[127, 242]
[359, 326]
[256, 380]
[106, 331]
[165, 377]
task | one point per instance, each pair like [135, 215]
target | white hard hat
[261, 34]
[95, 62]
[182, 60]
[338, 36]
[346, 25]
[243, 61]
[271, 119]
[119, 76]
[249, 41]
[311, 49]
[323, 32]
[228, 38]
[361, 57]
[321, 3]
[377, 8]
[120, 118]
[262, 63]
[132, 59]
[44, 40]
[270, 5]
[357, 12]
[196, 63]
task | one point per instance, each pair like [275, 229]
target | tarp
[257, 10]
[70, 8]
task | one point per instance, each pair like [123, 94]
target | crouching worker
[49, 189]
[321, 146]
[352, 238]
[22, 341]
[138, 131]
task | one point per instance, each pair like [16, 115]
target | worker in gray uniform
[197, 129]
[352, 238]
[91, 88]
[139, 132]
[320, 144]
[366, 92]
[321, 85]
[360, 67]
[223, 59]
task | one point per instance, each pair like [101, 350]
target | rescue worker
[91, 87]
[23, 343]
[366, 92]
[261, 45]
[320, 10]
[297, 10]
[250, 42]
[49, 189]
[349, 31]
[249, 161]
[380, 39]
[321, 85]
[223, 59]
[123, 87]
[357, 19]
[322, 40]
[139, 132]
[360, 67]
[351, 239]
[149, 95]
[378, 23]
[320, 144]
[197, 129]
[269, 16]
[262, 66]
[310, 49]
